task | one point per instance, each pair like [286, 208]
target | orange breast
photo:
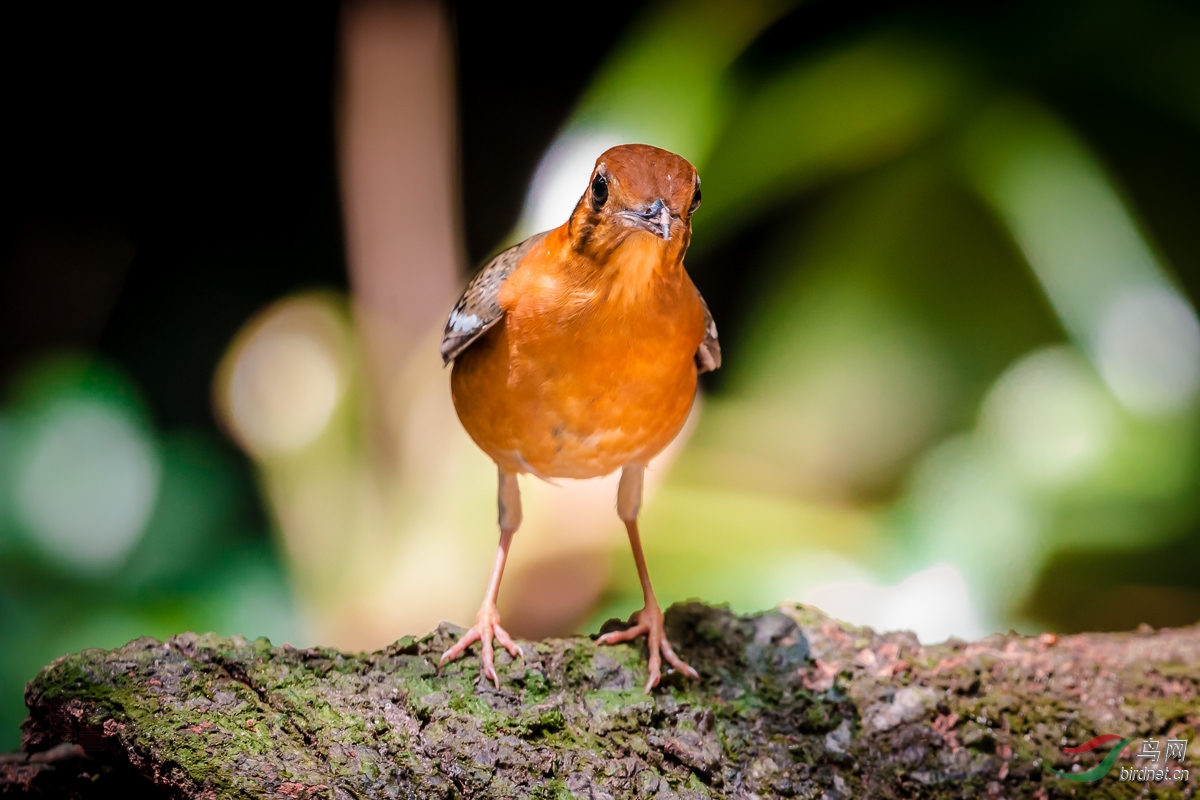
[582, 377]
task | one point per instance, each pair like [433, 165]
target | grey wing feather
[479, 307]
[708, 356]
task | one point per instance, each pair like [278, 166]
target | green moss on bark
[789, 704]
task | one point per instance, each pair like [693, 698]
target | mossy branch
[790, 703]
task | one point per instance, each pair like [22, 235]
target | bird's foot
[486, 628]
[650, 623]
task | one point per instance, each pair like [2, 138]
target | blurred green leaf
[825, 116]
[666, 83]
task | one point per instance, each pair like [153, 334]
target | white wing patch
[479, 307]
[463, 322]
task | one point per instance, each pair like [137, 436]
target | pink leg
[650, 618]
[487, 621]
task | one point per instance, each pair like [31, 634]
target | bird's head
[637, 191]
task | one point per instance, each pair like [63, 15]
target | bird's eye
[599, 192]
[695, 202]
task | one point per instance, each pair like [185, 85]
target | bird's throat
[638, 269]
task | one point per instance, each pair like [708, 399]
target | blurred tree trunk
[790, 703]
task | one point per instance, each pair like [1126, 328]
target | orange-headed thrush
[576, 354]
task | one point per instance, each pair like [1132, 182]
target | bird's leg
[487, 621]
[650, 618]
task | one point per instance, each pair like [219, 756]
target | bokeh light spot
[1148, 350]
[934, 603]
[284, 377]
[1050, 418]
[86, 483]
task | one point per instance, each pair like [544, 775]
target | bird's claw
[486, 628]
[650, 623]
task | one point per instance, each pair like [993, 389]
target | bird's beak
[656, 219]
[663, 220]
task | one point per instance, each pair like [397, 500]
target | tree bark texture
[790, 703]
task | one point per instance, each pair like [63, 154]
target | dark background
[189, 153]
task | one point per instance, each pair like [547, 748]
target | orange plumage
[576, 352]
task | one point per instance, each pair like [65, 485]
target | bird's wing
[708, 356]
[479, 307]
